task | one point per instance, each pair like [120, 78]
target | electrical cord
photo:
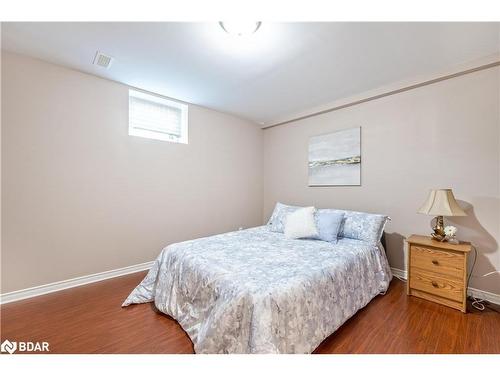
[479, 303]
[473, 264]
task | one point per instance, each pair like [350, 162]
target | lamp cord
[478, 303]
[473, 264]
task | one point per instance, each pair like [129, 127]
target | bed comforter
[254, 291]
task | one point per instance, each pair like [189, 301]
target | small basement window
[154, 117]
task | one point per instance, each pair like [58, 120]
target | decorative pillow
[361, 225]
[277, 220]
[301, 223]
[329, 225]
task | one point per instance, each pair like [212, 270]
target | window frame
[151, 134]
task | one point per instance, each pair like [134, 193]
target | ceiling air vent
[102, 60]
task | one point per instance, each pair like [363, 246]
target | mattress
[255, 291]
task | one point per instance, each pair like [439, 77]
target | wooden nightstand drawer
[442, 262]
[437, 271]
[435, 284]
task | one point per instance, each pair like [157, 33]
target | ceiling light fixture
[240, 28]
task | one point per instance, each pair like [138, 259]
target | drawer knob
[434, 284]
[435, 262]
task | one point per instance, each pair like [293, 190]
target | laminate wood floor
[89, 319]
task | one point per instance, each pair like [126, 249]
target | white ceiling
[284, 68]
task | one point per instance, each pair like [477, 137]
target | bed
[255, 291]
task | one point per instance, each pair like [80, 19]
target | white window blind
[154, 117]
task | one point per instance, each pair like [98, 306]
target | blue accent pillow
[328, 224]
[361, 225]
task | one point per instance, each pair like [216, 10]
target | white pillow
[301, 223]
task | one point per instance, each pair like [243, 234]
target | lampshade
[441, 202]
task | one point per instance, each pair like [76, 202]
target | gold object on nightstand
[439, 203]
[437, 271]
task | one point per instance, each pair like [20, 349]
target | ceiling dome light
[240, 28]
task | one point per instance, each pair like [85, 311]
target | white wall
[80, 196]
[445, 135]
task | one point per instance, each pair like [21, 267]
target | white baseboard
[481, 294]
[478, 293]
[398, 272]
[77, 281]
[71, 283]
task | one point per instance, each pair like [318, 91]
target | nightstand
[437, 271]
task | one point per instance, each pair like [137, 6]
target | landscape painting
[335, 158]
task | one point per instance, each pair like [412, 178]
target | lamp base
[437, 237]
[438, 228]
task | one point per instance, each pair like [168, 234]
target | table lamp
[439, 203]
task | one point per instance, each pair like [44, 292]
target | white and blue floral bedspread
[254, 291]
